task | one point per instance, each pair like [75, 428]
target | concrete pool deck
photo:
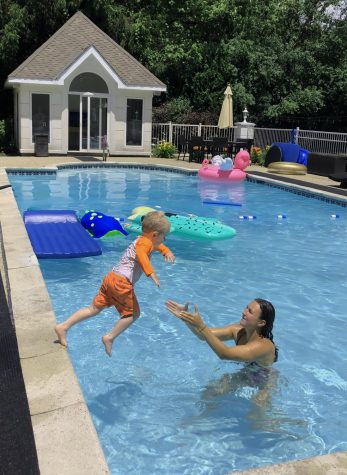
[65, 437]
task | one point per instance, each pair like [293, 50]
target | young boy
[117, 287]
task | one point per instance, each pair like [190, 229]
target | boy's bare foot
[61, 334]
[107, 344]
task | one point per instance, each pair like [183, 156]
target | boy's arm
[166, 252]
[155, 279]
[143, 249]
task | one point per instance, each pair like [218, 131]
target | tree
[285, 61]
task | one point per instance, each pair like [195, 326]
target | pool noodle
[216, 202]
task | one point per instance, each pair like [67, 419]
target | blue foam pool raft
[57, 234]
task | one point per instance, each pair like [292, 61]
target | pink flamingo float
[225, 171]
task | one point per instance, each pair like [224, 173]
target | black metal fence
[314, 141]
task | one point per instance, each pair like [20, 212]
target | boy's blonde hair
[156, 221]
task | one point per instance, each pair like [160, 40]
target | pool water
[164, 403]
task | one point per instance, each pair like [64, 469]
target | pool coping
[65, 436]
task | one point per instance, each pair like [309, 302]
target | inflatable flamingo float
[219, 172]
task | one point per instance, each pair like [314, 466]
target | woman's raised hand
[176, 308]
[193, 319]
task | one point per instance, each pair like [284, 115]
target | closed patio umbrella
[226, 114]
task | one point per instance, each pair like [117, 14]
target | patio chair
[182, 146]
[219, 145]
[197, 149]
[245, 144]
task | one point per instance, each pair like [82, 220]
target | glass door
[85, 114]
[94, 124]
[87, 122]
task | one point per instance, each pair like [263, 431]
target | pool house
[81, 90]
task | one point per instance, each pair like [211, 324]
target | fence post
[170, 131]
[297, 135]
[199, 129]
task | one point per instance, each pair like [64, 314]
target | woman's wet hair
[267, 314]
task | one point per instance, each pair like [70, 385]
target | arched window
[89, 82]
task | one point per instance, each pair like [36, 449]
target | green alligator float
[190, 226]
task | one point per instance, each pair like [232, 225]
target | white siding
[59, 116]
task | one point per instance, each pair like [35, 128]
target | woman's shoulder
[269, 349]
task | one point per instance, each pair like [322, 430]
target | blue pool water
[164, 403]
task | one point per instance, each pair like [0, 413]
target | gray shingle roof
[76, 36]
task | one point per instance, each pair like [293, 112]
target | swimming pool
[164, 403]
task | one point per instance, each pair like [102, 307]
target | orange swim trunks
[118, 291]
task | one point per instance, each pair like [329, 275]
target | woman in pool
[253, 335]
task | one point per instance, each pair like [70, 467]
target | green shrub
[2, 134]
[164, 150]
[7, 145]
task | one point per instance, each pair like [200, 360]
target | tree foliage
[286, 61]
